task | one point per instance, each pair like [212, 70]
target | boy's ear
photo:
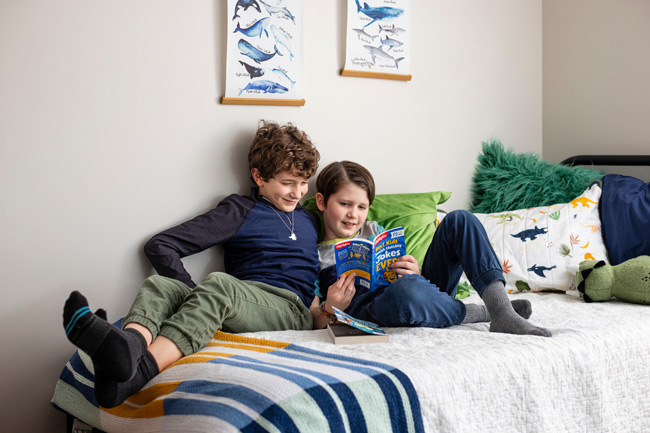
[320, 201]
[257, 177]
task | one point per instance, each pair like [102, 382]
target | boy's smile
[284, 190]
[345, 212]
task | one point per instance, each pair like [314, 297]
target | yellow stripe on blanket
[200, 357]
[148, 402]
[230, 341]
[144, 403]
[224, 336]
[247, 384]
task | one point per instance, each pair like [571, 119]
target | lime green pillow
[415, 211]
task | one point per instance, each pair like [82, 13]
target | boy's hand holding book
[406, 265]
[340, 294]
[372, 260]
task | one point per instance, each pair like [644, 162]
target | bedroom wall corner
[596, 87]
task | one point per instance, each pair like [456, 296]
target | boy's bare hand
[406, 265]
[340, 294]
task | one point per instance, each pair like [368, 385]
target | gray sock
[475, 313]
[504, 317]
[522, 307]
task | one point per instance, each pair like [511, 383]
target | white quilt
[593, 375]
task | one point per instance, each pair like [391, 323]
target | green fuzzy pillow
[504, 180]
[416, 212]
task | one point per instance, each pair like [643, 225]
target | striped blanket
[245, 384]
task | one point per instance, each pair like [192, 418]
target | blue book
[371, 260]
[347, 330]
[363, 325]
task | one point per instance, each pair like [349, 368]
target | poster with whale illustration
[264, 52]
[378, 39]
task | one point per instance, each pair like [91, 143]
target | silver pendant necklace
[292, 236]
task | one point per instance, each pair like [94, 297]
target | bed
[592, 375]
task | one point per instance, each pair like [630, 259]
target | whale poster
[264, 52]
[378, 39]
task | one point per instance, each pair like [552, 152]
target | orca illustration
[246, 4]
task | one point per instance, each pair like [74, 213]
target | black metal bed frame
[620, 160]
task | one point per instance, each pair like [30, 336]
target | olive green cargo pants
[190, 317]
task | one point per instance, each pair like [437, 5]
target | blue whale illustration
[266, 86]
[246, 4]
[539, 270]
[255, 29]
[378, 14]
[252, 70]
[256, 55]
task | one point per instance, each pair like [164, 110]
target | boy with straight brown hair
[420, 297]
[271, 264]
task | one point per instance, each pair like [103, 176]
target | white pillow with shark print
[540, 248]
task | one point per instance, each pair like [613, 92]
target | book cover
[371, 260]
[341, 333]
[348, 330]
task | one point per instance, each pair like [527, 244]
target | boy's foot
[504, 318]
[115, 352]
[110, 393]
[515, 324]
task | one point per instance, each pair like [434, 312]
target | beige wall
[110, 131]
[597, 79]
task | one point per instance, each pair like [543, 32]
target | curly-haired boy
[271, 264]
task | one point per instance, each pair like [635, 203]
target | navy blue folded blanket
[625, 217]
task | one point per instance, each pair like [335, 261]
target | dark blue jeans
[459, 244]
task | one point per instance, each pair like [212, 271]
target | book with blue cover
[347, 330]
[371, 260]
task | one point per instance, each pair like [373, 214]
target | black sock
[110, 393]
[114, 351]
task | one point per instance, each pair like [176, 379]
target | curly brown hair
[338, 174]
[278, 148]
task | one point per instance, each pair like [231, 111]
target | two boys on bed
[271, 258]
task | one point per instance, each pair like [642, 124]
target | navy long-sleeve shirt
[255, 241]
